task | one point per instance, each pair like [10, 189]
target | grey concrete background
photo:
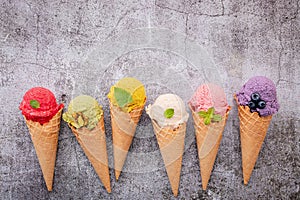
[45, 43]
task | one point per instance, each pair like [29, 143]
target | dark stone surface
[61, 45]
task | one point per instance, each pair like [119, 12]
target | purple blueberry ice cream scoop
[259, 93]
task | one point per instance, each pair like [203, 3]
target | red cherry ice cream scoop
[39, 105]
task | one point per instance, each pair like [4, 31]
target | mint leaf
[210, 112]
[202, 114]
[34, 104]
[217, 118]
[169, 113]
[207, 121]
[122, 97]
[210, 116]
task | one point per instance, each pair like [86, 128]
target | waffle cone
[123, 129]
[93, 143]
[253, 130]
[45, 141]
[208, 139]
[171, 145]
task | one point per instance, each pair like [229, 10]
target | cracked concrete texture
[45, 43]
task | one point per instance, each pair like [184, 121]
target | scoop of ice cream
[39, 105]
[259, 93]
[128, 94]
[207, 96]
[83, 111]
[168, 110]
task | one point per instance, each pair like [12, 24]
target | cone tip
[117, 173]
[204, 180]
[174, 189]
[108, 189]
[175, 193]
[246, 178]
[107, 186]
[49, 187]
[246, 182]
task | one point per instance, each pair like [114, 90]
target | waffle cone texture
[93, 143]
[171, 145]
[45, 141]
[123, 129]
[208, 138]
[253, 130]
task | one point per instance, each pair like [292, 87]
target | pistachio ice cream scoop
[83, 111]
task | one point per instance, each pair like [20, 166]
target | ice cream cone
[208, 139]
[123, 129]
[253, 129]
[45, 141]
[93, 143]
[171, 144]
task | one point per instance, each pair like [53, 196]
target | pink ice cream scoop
[209, 95]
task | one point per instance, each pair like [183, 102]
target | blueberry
[251, 105]
[255, 97]
[261, 104]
